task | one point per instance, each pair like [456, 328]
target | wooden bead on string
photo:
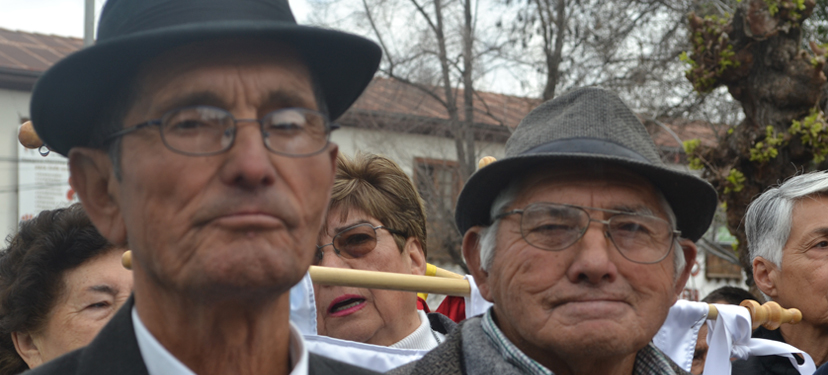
[28, 137]
[771, 315]
[126, 259]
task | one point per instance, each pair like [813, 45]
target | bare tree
[435, 47]
[629, 46]
[439, 46]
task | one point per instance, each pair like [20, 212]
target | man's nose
[248, 163]
[593, 259]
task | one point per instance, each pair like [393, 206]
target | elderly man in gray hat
[582, 239]
[197, 133]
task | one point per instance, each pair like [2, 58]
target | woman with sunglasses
[376, 221]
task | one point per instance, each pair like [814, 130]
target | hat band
[169, 13]
[592, 146]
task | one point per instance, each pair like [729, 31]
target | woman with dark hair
[60, 283]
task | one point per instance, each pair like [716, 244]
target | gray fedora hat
[69, 98]
[588, 124]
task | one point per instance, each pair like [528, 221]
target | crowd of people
[198, 137]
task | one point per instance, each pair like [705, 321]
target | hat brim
[68, 99]
[692, 199]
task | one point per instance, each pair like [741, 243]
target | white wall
[703, 285]
[403, 148]
[14, 105]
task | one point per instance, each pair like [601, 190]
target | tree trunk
[758, 57]
[468, 164]
[554, 54]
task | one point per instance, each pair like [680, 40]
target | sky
[65, 17]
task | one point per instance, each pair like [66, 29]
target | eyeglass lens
[207, 130]
[639, 238]
[356, 242]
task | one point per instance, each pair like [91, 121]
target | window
[439, 184]
[720, 261]
[718, 268]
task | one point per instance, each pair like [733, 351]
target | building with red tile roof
[409, 124]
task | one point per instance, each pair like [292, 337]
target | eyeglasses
[205, 130]
[639, 238]
[354, 242]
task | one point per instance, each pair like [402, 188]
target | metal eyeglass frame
[673, 234]
[329, 127]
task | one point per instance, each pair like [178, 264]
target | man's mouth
[249, 220]
[346, 305]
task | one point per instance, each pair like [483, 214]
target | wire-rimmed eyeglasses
[354, 242]
[205, 130]
[638, 237]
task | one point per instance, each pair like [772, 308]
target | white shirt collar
[160, 362]
[423, 338]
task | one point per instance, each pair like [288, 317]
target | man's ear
[471, 253]
[25, 345]
[690, 250]
[764, 275]
[414, 251]
[93, 180]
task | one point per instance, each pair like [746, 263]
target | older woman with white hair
[787, 232]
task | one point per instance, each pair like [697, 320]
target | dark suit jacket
[115, 351]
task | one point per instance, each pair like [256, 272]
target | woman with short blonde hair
[376, 221]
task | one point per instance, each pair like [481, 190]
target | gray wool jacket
[468, 350]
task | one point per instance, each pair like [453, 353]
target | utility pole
[89, 23]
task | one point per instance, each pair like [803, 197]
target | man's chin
[237, 288]
[242, 279]
[608, 338]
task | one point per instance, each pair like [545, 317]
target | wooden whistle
[771, 315]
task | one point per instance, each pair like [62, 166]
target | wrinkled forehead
[208, 70]
[614, 187]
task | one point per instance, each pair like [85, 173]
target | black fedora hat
[593, 125]
[69, 97]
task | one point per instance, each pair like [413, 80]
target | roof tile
[37, 52]
[30, 61]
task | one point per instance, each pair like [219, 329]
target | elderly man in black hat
[582, 239]
[197, 133]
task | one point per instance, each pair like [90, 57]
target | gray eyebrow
[275, 99]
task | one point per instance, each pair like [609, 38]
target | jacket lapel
[115, 349]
